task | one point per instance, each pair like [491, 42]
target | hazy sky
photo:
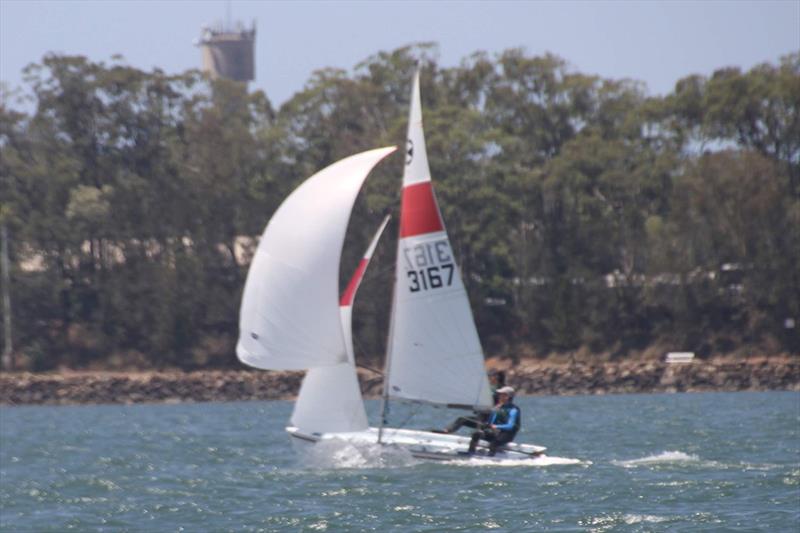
[655, 42]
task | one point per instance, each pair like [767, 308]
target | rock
[539, 377]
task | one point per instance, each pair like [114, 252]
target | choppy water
[686, 462]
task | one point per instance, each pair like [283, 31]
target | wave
[605, 522]
[668, 457]
[682, 458]
[631, 519]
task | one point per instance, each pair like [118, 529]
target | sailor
[497, 379]
[503, 425]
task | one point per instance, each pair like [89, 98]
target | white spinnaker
[330, 397]
[434, 352]
[289, 317]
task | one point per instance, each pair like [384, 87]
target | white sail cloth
[330, 396]
[330, 401]
[289, 317]
[434, 352]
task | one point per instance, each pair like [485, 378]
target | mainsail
[434, 354]
[330, 396]
[290, 317]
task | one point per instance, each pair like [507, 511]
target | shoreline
[529, 377]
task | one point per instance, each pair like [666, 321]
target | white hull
[422, 444]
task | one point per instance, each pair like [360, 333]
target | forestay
[434, 353]
[289, 318]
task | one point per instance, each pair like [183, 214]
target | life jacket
[500, 415]
[503, 413]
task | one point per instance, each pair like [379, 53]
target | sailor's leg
[498, 439]
[455, 425]
[460, 422]
[473, 443]
[489, 435]
[471, 422]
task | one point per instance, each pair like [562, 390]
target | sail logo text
[429, 265]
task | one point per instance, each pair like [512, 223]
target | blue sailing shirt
[511, 423]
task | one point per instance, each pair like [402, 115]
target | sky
[656, 42]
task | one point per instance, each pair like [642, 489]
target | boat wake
[339, 454]
[543, 460]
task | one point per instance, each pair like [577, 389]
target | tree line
[586, 215]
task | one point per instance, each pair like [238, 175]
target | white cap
[506, 390]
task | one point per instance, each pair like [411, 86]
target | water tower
[228, 51]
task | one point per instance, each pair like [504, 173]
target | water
[683, 462]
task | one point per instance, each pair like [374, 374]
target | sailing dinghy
[292, 317]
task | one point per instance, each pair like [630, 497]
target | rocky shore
[530, 377]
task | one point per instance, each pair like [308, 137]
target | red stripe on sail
[419, 214]
[352, 287]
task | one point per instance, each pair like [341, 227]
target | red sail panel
[419, 214]
[352, 287]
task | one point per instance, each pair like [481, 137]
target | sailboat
[292, 317]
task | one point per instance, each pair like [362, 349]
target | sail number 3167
[429, 266]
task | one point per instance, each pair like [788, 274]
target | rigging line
[413, 411]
